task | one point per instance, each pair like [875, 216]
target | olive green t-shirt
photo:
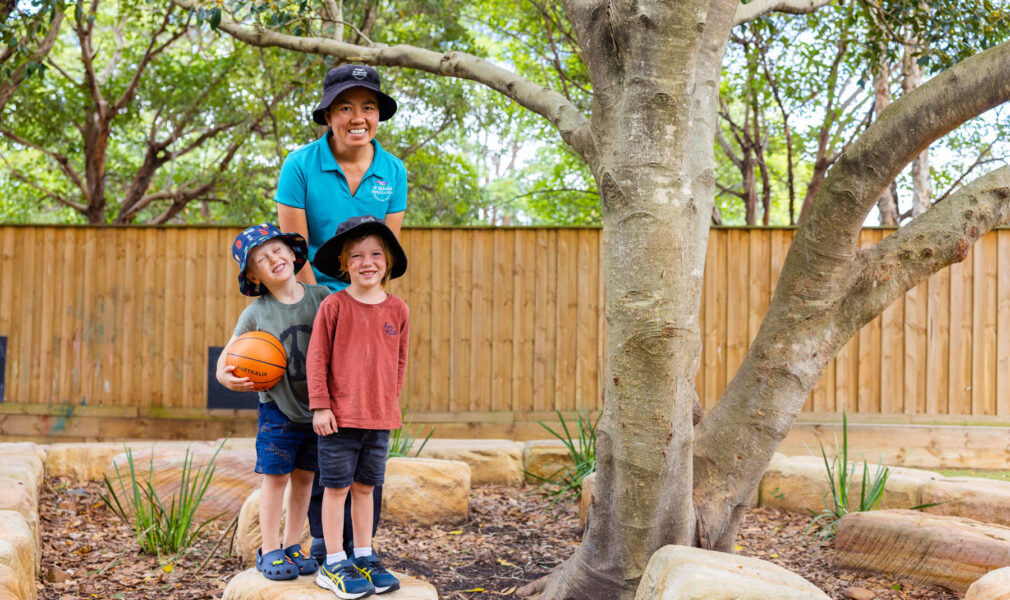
[292, 325]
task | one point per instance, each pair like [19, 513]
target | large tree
[654, 69]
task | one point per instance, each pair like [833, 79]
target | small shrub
[161, 529]
[581, 450]
[402, 440]
[840, 480]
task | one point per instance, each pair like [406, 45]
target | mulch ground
[513, 537]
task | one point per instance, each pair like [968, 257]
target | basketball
[258, 356]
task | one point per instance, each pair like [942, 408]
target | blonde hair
[345, 255]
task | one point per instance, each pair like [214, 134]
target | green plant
[840, 480]
[402, 440]
[581, 450]
[161, 529]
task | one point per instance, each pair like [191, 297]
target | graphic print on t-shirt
[296, 349]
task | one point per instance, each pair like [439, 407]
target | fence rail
[506, 324]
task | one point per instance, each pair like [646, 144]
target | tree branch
[557, 109]
[7, 88]
[149, 53]
[59, 159]
[756, 8]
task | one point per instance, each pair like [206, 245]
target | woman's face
[353, 118]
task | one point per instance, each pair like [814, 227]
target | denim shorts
[283, 445]
[353, 455]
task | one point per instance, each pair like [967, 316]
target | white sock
[335, 557]
[359, 552]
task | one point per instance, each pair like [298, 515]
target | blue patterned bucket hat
[259, 234]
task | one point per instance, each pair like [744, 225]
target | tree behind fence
[506, 324]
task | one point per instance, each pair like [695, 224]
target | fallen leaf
[480, 590]
[456, 532]
[502, 561]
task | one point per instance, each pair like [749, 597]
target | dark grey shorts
[353, 455]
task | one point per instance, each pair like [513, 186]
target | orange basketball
[258, 356]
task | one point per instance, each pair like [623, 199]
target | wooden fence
[106, 331]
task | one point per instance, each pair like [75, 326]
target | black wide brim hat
[327, 258]
[342, 78]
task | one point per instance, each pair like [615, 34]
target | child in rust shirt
[356, 363]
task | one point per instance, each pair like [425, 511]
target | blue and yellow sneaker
[344, 580]
[372, 569]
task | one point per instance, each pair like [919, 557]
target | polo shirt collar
[379, 166]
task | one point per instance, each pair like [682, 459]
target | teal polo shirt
[312, 180]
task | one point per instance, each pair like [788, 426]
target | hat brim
[327, 258]
[387, 106]
[298, 245]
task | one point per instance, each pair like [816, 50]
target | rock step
[491, 461]
[680, 572]
[234, 477]
[994, 585]
[426, 491]
[922, 548]
[251, 585]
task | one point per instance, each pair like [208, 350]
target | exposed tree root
[575, 579]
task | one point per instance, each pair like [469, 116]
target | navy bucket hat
[328, 256]
[345, 77]
[257, 235]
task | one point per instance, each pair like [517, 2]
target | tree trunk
[922, 193]
[887, 203]
[655, 168]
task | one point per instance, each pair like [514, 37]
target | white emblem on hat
[359, 73]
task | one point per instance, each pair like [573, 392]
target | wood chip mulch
[512, 537]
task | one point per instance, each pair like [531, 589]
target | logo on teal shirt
[381, 190]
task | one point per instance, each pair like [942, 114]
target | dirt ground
[512, 538]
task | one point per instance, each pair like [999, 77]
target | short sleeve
[246, 321]
[398, 202]
[291, 185]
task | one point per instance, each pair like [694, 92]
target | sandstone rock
[235, 443]
[13, 585]
[545, 458]
[18, 553]
[81, 461]
[248, 536]
[858, 593]
[426, 491]
[491, 461]
[17, 496]
[23, 473]
[251, 585]
[922, 548]
[994, 585]
[586, 498]
[24, 453]
[975, 498]
[799, 483]
[231, 484]
[683, 573]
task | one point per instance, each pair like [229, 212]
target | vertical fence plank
[441, 329]
[960, 337]
[983, 318]
[565, 331]
[24, 329]
[737, 261]
[915, 375]
[481, 254]
[500, 307]
[586, 365]
[892, 355]
[1003, 323]
[8, 306]
[938, 354]
[420, 369]
[710, 324]
[462, 284]
[523, 317]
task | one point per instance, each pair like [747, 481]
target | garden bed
[512, 538]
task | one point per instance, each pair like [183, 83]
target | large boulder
[491, 461]
[17, 553]
[13, 585]
[586, 498]
[249, 537]
[233, 480]
[922, 548]
[24, 454]
[985, 500]
[251, 585]
[994, 585]
[684, 573]
[426, 491]
[88, 461]
[800, 484]
[545, 459]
